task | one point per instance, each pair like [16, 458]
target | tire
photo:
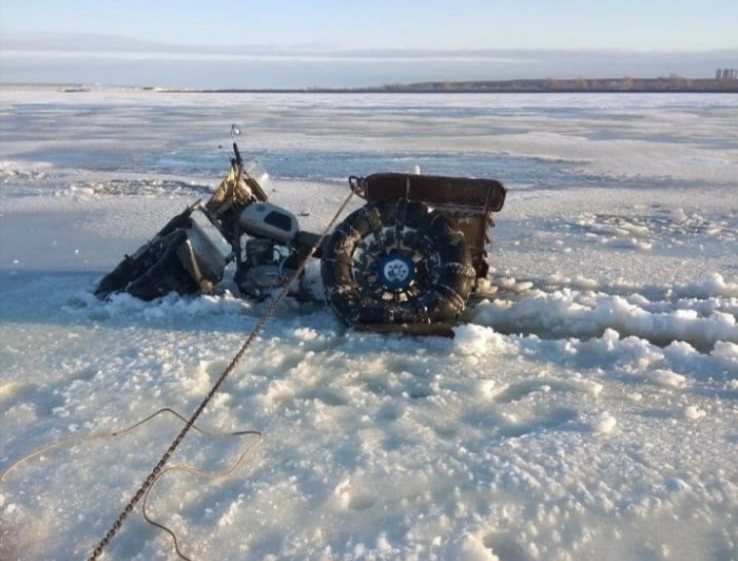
[153, 272]
[396, 262]
[131, 268]
[128, 270]
[167, 274]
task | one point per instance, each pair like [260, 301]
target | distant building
[726, 74]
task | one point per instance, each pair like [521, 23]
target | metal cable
[157, 470]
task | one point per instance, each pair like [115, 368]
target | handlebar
[239, 161]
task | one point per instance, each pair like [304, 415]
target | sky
[291, 43]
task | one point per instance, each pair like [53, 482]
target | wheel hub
[396, 271]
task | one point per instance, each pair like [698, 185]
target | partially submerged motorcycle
[410, 257]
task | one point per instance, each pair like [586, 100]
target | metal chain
[265, 317]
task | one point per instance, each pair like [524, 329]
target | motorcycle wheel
[396, 262]
[151, 273]
[133, 267]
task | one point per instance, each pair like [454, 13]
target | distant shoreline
[578, 85]
[673, 84]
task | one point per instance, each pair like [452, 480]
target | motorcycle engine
[264, 268]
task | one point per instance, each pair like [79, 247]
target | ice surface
[587, 411]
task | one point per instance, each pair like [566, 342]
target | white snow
[573, 312]
[604, 423]
[586, 410]
[693, 413]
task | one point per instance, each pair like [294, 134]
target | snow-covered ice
[589, 410]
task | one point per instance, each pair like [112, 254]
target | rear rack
[482, 195]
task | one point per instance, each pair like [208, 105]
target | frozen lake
[588, 411]
[530, 140]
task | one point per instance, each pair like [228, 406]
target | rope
[187, 469]
[156, 472]
[96, 436]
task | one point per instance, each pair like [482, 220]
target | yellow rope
[97, 436]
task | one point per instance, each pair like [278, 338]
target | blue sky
[259, 43]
